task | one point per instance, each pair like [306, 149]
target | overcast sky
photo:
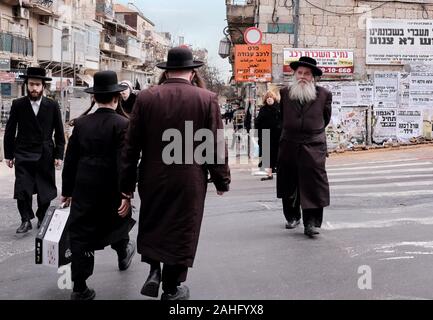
[201, 22]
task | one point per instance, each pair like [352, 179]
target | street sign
[253, 63]
[5, 64]
[253, 36]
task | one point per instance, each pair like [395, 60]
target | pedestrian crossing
[375, 179]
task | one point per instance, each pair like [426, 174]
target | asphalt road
[380, 221]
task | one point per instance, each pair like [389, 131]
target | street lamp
[225, 48]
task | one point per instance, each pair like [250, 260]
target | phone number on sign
[337, 70]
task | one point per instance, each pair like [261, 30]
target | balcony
[110, 64]
[42, 7]
[114, 44]
[241, 12]
[14, 44]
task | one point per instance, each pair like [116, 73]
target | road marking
[377, 224]
[383, 185]
[386, 177]
[373, 162]
[398, 258]
[386, 166]
[389, 194]
[380, 172]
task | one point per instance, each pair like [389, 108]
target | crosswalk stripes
[391, 178]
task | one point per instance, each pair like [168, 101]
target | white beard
[304, 93]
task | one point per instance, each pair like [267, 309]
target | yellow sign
[253, 63]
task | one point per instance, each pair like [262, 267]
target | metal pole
[296, 23]
[75, 52]
[61, 80]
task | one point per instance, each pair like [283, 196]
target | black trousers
[172, 275]
[83, 263]
[26, 211]
[292, 211]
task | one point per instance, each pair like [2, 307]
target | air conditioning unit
[21, 13]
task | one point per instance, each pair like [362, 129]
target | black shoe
[88, 294]
[310, 231]
[24, 227]
[130, 252]
[182, 293]
[293, 224]
[267, 178]
[151, 286]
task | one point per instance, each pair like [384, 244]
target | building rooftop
[120, 8]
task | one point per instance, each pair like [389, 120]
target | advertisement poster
[384, 124]
[410, 124]
[399, 41]
[386, 85]
[331, 61]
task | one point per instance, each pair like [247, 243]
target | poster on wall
[335, 89]
[409, 123]
[399, 41]
[384, 124]
[421, 89]
[354, 124]
[404, 92]
[366, 93]
[386, 85]
[331, 61]
[350, 94]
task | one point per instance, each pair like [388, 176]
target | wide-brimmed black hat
[178, 59]
[36, 73]
[105, 82]
[309, 63]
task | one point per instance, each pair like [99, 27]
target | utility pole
[296, 23]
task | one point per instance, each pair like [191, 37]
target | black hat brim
[195, 64]
[24, 76]
[111, 89]
[316, 71]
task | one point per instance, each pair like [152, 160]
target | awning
[86, 78]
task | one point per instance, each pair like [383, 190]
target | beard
[34, 95]
[302, 91]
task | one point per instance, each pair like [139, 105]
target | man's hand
[65, 202]
[58, 163]
[124, 208]
[220, 193]
[10, 163]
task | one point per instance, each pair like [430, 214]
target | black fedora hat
[105, 82]
[36, 73]
[178, 59]
[309, 63]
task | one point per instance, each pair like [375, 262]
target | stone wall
[326, 29]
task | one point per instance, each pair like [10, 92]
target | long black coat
[269, 118]
[91, 177]
[172, 195]
[33, 147]
[302, 152]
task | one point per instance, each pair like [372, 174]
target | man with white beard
[302, 182]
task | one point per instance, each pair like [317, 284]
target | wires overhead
[353, 13]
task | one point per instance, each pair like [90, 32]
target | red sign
[7, 77]
[253, 36]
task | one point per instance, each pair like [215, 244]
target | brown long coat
[302, 152]
[172, 196]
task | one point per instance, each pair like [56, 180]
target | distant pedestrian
[128, 97]
[269, 118]
[302, 180]
[29, 145]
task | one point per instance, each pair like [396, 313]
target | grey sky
[201, 22]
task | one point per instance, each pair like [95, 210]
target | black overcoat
[303, 149]
[91, 177]
[29, 140]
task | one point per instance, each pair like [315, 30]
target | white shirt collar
[37, 102]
